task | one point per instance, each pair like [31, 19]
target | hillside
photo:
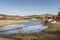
[10, 17]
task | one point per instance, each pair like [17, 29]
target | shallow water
[26, 27]
[33, 29]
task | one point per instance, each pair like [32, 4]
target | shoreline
[9, 22]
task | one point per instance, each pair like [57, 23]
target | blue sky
[29, 7]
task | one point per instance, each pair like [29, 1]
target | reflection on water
[25, 27]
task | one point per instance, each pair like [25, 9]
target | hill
[10, 17]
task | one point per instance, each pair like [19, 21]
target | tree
[59, 13]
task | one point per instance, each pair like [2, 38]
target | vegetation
[9, 17]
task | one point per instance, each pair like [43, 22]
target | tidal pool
[32, 26]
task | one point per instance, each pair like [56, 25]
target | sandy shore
[8, 22]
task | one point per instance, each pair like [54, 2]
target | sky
[29, 7]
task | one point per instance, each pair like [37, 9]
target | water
[32, 26]
[33, 29]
